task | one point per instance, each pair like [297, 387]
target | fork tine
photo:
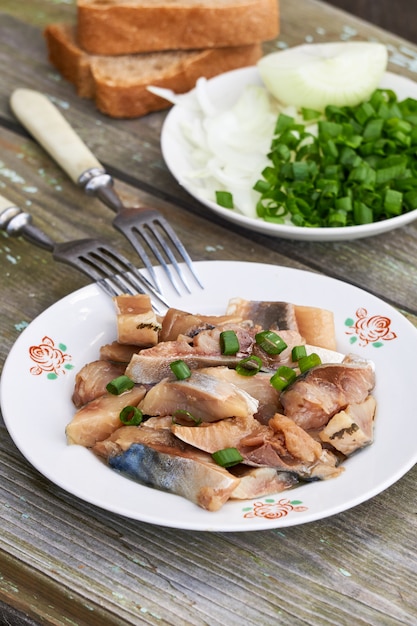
[181, 249]
[160, 237]
[150, 233]
[106, 266]
[119, 224]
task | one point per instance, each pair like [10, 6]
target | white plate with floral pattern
[38, 380]
[223, 91]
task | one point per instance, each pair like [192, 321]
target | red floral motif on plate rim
[274, 509]
[49, 358]
[371, 329]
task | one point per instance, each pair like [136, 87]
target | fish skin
[267, 315]
[326, 389]
[162, 461]
[205, 397]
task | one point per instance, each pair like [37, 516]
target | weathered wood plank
[63, 561]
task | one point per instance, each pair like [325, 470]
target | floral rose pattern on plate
[369, 329]
[50, 359]
[274, 509]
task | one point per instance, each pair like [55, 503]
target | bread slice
[130, 26]
[119, 84]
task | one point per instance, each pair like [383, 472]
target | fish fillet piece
[267, 315]
[259, 387]
[325, 390]
[288, 448]
[352, 428]
[316, 326]
[136, 320]
[205, 397]
[96, 420]
[157, 458]
[214, 436]
[91, 380]
[298, 443]
[257, 482]
[117, 352]
[151, 365]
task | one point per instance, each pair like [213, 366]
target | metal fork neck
[96, 182]
[15, 222]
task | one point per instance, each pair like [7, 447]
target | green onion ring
[283, 377]
[227, 457]
[119, 385]
[309, 361]
[131, 416]
[180, 369]
[249, 366]
[270, 342]
[229, 343]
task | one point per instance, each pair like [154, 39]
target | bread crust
[119, 84]
[72, 62]
[125, 27]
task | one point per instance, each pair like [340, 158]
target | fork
[114, 273]
[145, 228]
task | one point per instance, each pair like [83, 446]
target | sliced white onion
[316, 75]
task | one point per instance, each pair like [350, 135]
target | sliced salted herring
[316, 75]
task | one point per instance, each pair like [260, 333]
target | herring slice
[316, 75]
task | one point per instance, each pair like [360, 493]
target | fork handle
[49, 127]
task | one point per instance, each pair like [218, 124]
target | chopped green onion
[119, 385]
[297, 352]
[187, 417]
[130, 416]
[227, 457]
[225, 199]
[180, 369]
[229, 343]
[283, 377]
[393, 202]
[358, 168]
[270, 342]
[307, 362]
[249, 366]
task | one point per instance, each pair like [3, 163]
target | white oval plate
[224, 90]
[38, 380]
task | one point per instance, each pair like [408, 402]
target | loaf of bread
[114, 27]
[118, 84]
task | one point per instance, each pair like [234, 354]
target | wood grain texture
[398, 18]
[65, 562]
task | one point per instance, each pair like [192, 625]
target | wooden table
[65, 562]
